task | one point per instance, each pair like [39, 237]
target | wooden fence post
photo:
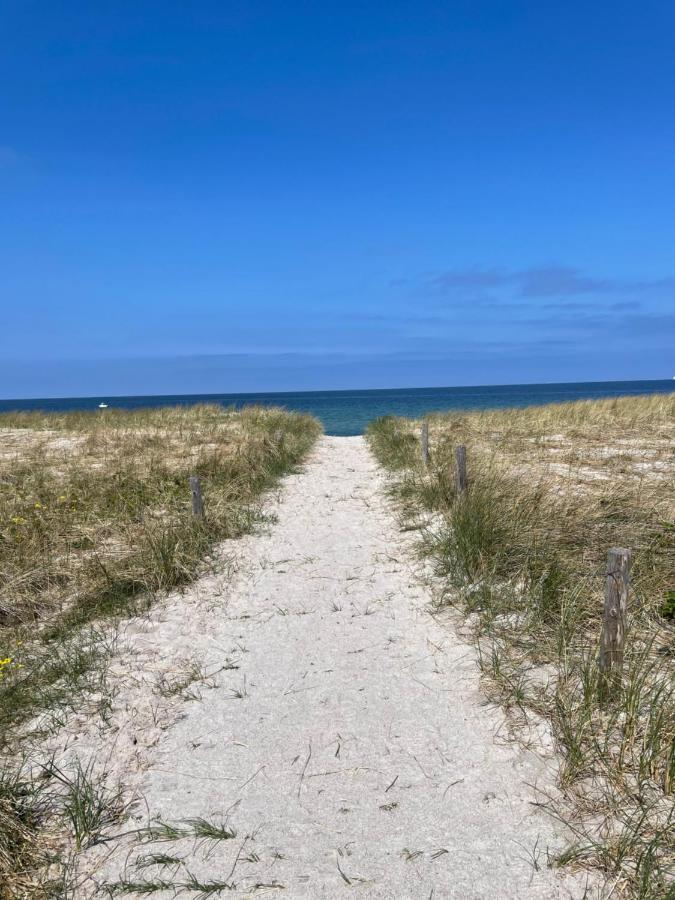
[614, 619]
[197, 499]
[425, 443]
[460, 473]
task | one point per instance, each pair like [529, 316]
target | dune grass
[95, 522]
[522, 553]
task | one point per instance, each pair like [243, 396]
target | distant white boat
[103, 406]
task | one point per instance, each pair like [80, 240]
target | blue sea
[349, 412]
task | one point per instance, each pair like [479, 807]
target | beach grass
[95, 523]
[522, 553]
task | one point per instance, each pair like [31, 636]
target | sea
[349, 412]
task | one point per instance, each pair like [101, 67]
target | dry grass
[523, 553]
[95, 520]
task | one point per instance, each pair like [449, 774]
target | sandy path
[351, 746]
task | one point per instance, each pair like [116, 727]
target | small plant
[201, 890]
[181, 683]
[199, 828]
[157, 859]
[89, 806]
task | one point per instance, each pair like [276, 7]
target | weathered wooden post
[425, 443]
[614, 619]
[197, 499]
[460, 469]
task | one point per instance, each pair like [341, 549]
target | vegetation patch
[95, 522]
[522, 552]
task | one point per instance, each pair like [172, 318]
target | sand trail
[346, 740]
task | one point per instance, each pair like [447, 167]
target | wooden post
[614, 619]
[197, 499]
[460, 470]
[425, 443]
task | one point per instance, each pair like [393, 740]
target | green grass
[95, 522]
[201, 831]
[523, 553]
[88, 805]
[23, 810]
[196, 887]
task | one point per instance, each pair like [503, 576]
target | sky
[225, 196]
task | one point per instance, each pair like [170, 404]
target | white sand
[362, 744]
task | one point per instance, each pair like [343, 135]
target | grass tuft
[89, 806]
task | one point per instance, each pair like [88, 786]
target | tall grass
[95, 521]
[523, 554]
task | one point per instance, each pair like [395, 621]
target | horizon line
[430, 387]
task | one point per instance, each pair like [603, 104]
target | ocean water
[348, 412]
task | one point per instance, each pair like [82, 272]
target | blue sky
[268, 196]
